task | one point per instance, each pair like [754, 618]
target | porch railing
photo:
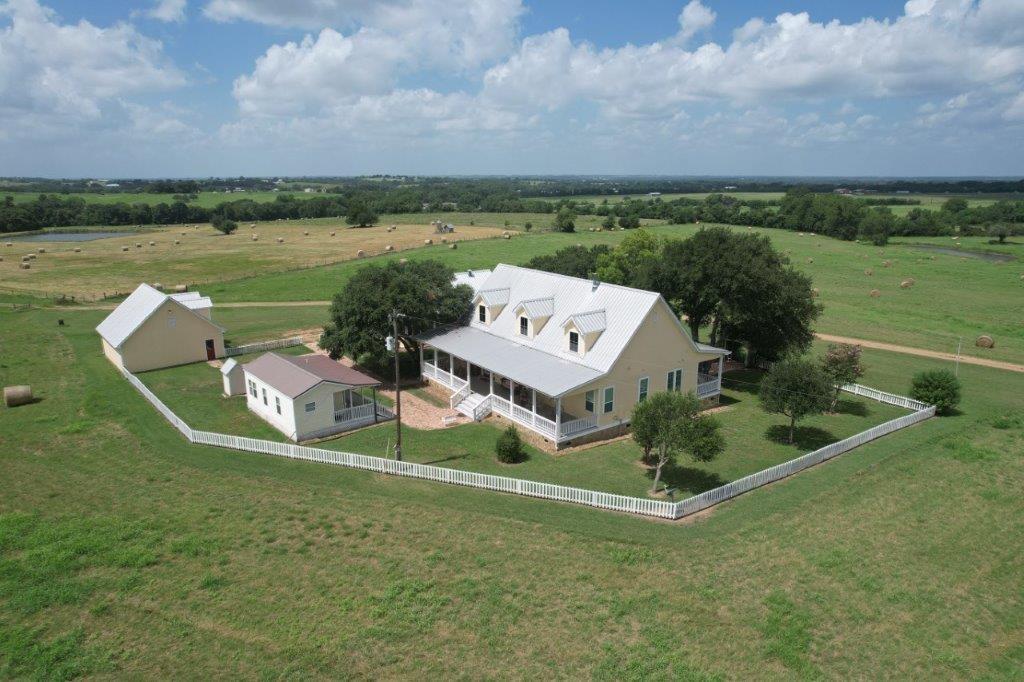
[574, 426]
[520, 414]
[708, 384]
[432, 371]
[459, 395]
[355, 413]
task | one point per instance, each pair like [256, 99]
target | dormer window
[524, 325]
[574, 342]
[481, 313]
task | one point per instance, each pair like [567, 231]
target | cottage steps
[468, 405]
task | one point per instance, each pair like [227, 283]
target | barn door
[211, 350]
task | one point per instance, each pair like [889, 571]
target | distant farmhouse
[151, 329]
[564, 357]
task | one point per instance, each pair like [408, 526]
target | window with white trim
[524, 325]
[277, 403]
[264, 396]
[588, 401]
[674, 381]
[311, 407]
[252, 389]
[574, 342]
[609, 399]
[642, 386]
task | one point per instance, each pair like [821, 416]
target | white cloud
[169, 10]
[694, 18]
[55, 76]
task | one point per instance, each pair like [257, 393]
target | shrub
[938, 387]
[528, 226]
[223, 224]
[509, 447]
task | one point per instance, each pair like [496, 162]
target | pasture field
[204, 199]
[952, 297]
[126, 552]
[754, 440]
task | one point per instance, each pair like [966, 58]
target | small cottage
[310, 396]
[234, 378]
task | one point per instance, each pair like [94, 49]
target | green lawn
[125, 552]
[251, 324]
[205, 199]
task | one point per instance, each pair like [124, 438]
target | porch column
[468, 367]
[721, 368]
[490, 387]
[558, 418]
[421, 359]
[533, 395]
[511, 393]
[374, 390]
[435, 359]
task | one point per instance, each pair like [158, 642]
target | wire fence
[549, 491]
[262, 346]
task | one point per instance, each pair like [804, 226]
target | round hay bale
[17, 395]
[444, 240]
[985, 341]
[152, 243]
[1, 259]
[255, 237]
[887, 264]
[333, 233]
[138, 245]
[9, 244]
[911, 280]
[26, 266]
[869, 272]
[31, 256]
[508, 236]
[124, 248]
[177, 242]
[158, 286]
[800, 234]
[389, 247]
[815, 292]
[906, 284]
[428, 241]
[78, 249]
[505, 233]
[305, 232]
[360, 253]
[41, 250]
[810, 260]
[875, 293]
[403, 261]
[252, 226]
[453, 246]
[280, 240]
[25, 259]
[395, 227]
[182, 234]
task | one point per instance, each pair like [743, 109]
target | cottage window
[310, 407]
[524, 326]
[170, 321]
[641, 394]
[609, 399]
[588, 401]
[252, 388]
[674, 382]
[277, 403]
[481, 313]
[574, 342]
[264, 396]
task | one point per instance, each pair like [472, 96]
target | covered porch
[478, 390]
[709, 377]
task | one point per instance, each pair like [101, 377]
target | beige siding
[112, 354]
[658, 347]
[159, 342]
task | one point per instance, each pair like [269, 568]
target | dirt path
[921, 352]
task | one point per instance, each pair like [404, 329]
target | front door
[211, 350]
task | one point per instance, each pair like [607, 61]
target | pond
[64, 236]
[989, 256]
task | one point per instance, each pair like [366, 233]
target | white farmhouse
[565, 357]
[151, 329]
[310, 396]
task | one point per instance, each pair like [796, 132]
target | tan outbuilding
[151, 329]
[234, 378]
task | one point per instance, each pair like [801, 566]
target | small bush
[509, 447]
[528, 226]
[938, 387]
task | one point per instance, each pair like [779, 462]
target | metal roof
[471, 278]
[494, 296]
[228, 365]
[546, 373]
[136, 309]
[186, 295]
[705, 348]
[197, 303]
[294, 375]
[589, 322]
[538, 307]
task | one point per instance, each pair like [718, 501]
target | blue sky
[164, 88]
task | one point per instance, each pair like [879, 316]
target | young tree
[626, 263]
[1000, 231]
[528, 226]
[223, 224]
[669, 423]
[797, 389]
[609, 222]
[877, 225]
[954, 205]
[509, 446]
[938, 387]
[565, 220]
[421, 291]
[629, 222]
[841, 363]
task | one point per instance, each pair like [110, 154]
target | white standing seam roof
[229, 365]
[186, 295]
[545, 362]
[471, 278]
[136, 309]
[196, 303]
[538, 307]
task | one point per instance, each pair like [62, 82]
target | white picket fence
[262, 346]
[549, 491]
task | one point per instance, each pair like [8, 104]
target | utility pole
[398, 389]
[956, 368]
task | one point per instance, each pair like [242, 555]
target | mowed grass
[262, 323]
[754, 440]
[953, 297]
[126, 552]
[205, 255]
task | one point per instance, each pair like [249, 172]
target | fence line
[262, 345]
[548, 491]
